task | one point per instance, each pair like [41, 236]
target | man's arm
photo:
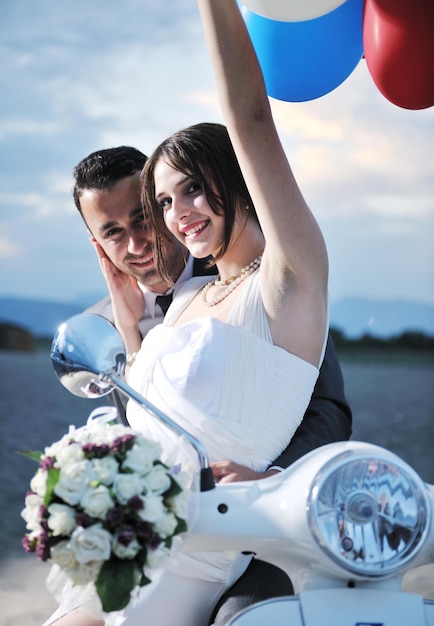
[328, 417]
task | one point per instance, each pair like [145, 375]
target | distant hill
[40, 317]
[352, 316]
[381, 318]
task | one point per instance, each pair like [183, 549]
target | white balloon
[292, 10]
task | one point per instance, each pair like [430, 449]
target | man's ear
[91, 237]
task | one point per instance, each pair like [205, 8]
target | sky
[80, 75]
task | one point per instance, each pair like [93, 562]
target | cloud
[22, 126]
[9, 249]
[353, 150]
[412, 206]
[78, 76]
[35, 206]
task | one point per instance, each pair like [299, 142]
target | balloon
[302, 61]
[292, 10]
[398, 39]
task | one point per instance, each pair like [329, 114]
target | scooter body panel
[340, 607]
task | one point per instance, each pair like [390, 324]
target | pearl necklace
[230, 283]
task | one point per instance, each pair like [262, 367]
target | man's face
[115, 219]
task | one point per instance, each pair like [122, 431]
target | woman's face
[186, 211]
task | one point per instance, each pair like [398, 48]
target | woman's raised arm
[295, 268]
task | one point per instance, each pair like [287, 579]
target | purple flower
[43, 517]
[146, 535]
[176, 469]
[47, 463]
[143, 529]
[154, 541]
[43, 549]
[95, 451]
[115, 516]
[29, 544]
[135, 503]
[84, 520]
[126, 536]
[122, 444]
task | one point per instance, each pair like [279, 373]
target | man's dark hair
[104, 168]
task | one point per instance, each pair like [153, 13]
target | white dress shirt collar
[150, 296]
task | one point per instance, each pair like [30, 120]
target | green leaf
[141, 557]
[34, 455]
[144, 580]
[52, 480]
[173, 490]
[115, 582]
[181, 526]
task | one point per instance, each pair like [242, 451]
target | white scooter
[346, 522]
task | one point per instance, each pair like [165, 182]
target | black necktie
[164, 302]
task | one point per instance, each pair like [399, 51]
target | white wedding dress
[226, 383]
[242, 397]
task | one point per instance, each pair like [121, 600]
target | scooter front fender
[340, 607]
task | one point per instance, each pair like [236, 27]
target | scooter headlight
[369, 513]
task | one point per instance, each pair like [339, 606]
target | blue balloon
[305, 60]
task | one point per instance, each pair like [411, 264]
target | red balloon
[398, 39]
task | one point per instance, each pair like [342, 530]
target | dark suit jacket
[328, 417]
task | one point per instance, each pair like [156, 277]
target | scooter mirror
[83, 347]
[89, 359]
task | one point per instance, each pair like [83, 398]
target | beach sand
[393, 406]
[24, 601]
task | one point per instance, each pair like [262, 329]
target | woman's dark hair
[205, 153]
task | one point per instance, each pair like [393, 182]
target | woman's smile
[192, 230]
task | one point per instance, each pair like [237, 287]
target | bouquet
[105, 509]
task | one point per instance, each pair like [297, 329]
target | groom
[106, 193]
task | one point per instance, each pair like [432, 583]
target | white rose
[93, 433]
[97, 501]
[142, 455]
[165, 525]
[91, 544]
[64, 556]
[69, 454]
[99, 431]
[182, 478]
[125, 486]
[38, 484]
[153, 507]
[31, 514]
[157, 558]
[73, 481]
[180, 504]
[157, 480]
[61, 519]
[105, 469]
[57, 447]
[126, 552]
[84, 573]
[80, 435]
[118, 430]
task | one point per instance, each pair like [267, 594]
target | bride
[237, 357]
